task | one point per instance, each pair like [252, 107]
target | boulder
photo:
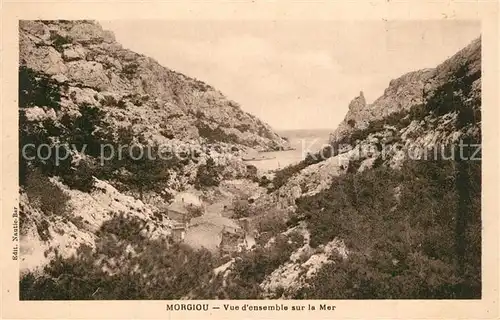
[89, 73]
[44, 59]
[89, 32]
[38, 114]
[81, 96]
[74, 53]
[38, 31]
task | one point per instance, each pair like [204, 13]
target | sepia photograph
[164, 160]
[251, 159]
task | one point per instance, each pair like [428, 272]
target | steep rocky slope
[420, 114]
[411, 89]
[79, 87]
[134, 89]
[416, 114]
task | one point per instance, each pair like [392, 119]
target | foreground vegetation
[404, 233]
[399, 225]
[126, 264]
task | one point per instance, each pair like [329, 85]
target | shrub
[42, 228]
[130, 69]
[243, 127]
[215, 135]
[86, 130]
[271, 222]
[264, 182]
[195, 211]
[249, 271]
[37, 89]
[252, 173]
[208, 175]
[109, 101]
[39, 134]
[382, 232]
[451, 95]
[167, 134]
[146, 173]
[58, 41]
[80, 178]
[241, 208]
[382, 277]
[43, 193]
[152, 270]
[282, 176]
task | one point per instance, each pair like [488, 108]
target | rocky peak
[419, 110]
[409, 90]
[358, 103]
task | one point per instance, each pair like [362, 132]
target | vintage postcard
[227, 160]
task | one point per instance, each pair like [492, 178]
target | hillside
[412, 89]
[392, 209]
[419, 112]
[134, 89]
[85, 97]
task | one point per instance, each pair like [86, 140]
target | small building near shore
[181, 211]
[178, 212]
[178, 232]
[232, 240]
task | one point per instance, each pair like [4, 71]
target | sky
[296, 74]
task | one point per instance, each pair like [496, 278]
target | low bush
[129, 70]
[81, 177]
[271, 222]
[282, 176]
[252, 267]
[241, 208]
[43, 193]
[208, 175]
[126, 265]
[451, 95]
[404, 246]
[58, 41]
[215, 135]
[195, 211]
[37, 89]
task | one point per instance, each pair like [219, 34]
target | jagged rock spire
[358, 103]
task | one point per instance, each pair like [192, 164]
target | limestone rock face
[303, 264]
[355, 114]
[89, 33]
[44, 59]
[384, 131]
[409, 90]
[163, 101]
[75, 53]
[358, 103]
[88, 72]
[88, 211]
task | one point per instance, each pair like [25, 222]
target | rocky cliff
[134, 89]
[419, 111]
[79, 87]
[411, 89]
